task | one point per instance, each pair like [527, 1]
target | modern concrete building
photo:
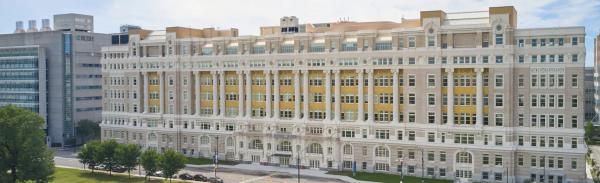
[589, 94]
[54, 72]
[463, 96]
[596, 119]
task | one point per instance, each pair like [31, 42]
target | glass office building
[23, 77]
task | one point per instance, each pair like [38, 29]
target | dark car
[186, 176]
[215, 180]
[119, 169]
[200, 177]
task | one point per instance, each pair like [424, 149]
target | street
[68, 158]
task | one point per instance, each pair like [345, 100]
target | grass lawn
[80, 176]
[206, 161]
[386, 178]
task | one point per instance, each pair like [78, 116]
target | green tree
[88, 154]
[87, 130]
[127, 156]
[589, 130]
[170, 163]
[149, 160]
[24, 155]
[106, 154]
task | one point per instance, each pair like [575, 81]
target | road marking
[256, 178]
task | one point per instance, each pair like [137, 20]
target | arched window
[347, 149]
[285, 146]
[381, 151]
[464, 157]
[204, 140]
[152, 137]
[256, 144]
[229, 141]
[315, 148]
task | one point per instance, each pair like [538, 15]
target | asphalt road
[67, 158]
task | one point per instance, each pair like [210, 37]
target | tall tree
[589, 131]
[88, 154]
[106, 154]
[24, 155]
[127, 156]
[149, 160]
[170, 163]
[87, 130]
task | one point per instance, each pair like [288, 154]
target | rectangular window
[499, 81]
[412, 41]
[499, 100]
[521, 59]
[431, 137]
[499, 59]
[499, 39]
[412, 80]
[431, 80]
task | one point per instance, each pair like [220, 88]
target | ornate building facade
[463, 96]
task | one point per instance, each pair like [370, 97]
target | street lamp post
[422, 166]
[298, 154]
[216, 158]
[401, 169]
[298, 166]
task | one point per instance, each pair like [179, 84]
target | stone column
[268, 94]
[450, 93]
[215, 96]
[240, 93]
[371, 93]
[396, 96]
[161, 81]
[328, 114]
[276, 95]
[197, 89]
[305, 91]
[296, 94]
[222, 93]
[248, 94]
[338, 98]
[479, 97]
[361, 95]
[146, 94]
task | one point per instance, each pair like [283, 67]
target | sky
[249, 15]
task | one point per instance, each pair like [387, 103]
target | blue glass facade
[68, 83]
[19, 77]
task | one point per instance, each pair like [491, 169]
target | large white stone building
[374, 93]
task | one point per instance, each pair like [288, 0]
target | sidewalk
[588, 173]
[293, 171]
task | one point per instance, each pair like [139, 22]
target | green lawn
[206, 161]
[80, 176]
[386, 178]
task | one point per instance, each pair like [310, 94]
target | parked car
[119, 169]
[186, 176]
[100, 167]
[215, 180]
[200, 177]
[158, 173]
